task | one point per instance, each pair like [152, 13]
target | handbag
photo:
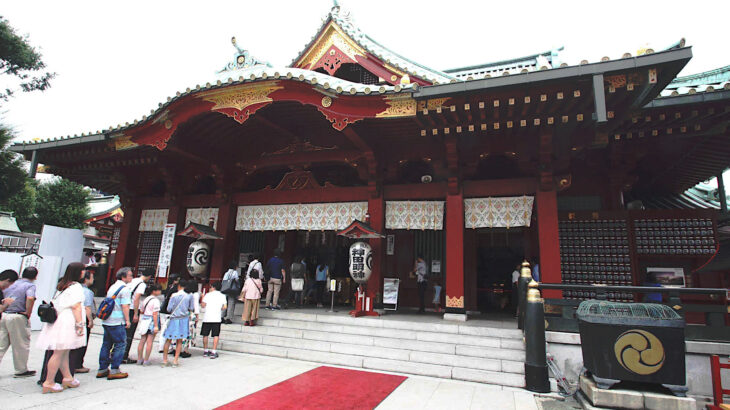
[297, 284]
[47, 312]
[230, 287]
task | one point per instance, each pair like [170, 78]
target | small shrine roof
[345, 22]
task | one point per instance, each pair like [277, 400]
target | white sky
[117, 60]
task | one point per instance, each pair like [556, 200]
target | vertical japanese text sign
[168, 240]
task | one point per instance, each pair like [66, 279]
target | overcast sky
[117, 60]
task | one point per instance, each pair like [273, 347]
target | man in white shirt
[214, 302]
[136, 288]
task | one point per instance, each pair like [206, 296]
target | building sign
[361, 259]
[390, 245]
[435, 266]
[390, 293]
[168, 240]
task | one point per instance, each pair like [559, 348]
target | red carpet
[323, 388]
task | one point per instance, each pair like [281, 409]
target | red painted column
[128, 236]
[547, 227]
[455, 253]
[223, 249]
[376, 209]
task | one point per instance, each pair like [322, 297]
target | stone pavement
[201, 383]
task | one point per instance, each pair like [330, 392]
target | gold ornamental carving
[123, 142]
[454, 302]
[242, 96]
[331, 35]
[326, 101]
[432, 104]
[399, 106]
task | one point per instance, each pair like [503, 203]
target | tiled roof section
[707, 81]
[693, 198]
[240, 76]
[102, 205]
[344, 21]
[540, 61]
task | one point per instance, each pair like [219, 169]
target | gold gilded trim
[454, 302]
[242, 96]
[639, 351]
[399, 106]
[331, 35]
[123, 142]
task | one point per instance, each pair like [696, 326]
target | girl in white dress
[68, 332]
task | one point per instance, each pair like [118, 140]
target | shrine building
[475, 169]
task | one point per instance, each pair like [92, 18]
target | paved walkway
[201, 383]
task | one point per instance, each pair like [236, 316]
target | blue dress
[178, 326]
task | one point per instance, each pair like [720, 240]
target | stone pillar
[455, 257]
[547, 226]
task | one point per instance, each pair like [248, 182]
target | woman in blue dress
[179, 307]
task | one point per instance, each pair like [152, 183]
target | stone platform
[592, 397]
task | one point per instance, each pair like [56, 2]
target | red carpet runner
[323, 388]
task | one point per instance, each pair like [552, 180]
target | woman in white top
[68, 332]
[149, 323]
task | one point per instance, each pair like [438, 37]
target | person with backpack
[149, 323]
[114, 312]
[179, 307]
[298, 271]
[137, 288]
[231, 287]
[172, 283]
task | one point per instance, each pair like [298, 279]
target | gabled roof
[539, 61]
[339, 31]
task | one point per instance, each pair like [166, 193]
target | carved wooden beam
[452, 164]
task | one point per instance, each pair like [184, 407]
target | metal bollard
[536, 369]
[525, 278]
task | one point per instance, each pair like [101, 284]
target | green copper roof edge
[508, 61]
[713, 76]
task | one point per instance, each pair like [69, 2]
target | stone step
[489, 337]
[422, 365]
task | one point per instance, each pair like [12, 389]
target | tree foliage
[12, 174]
[61, 203]
[22, 61]
[23, 205]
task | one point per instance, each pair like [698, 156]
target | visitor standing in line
[7, 278]
[437, 296]
[68, 332]
[421, 272]
[90, 313]
[277, 277]
[232, 275]
[15, 322]
[321, 279]
[172, 284]
[251, 296]
[179, 307]
[191, 288]
[214, 304]
[297, 272]
[149, 323]
[115, 335]
[137, 288]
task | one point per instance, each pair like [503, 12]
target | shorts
[211, 329]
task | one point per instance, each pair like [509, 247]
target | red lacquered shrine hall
[475, 169]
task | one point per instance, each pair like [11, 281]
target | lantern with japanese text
[361, 259]
[197, 259]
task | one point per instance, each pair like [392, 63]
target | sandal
[176, 365]
[165, 364]
[71, 384]
[56, 388]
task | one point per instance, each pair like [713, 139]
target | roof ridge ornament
[242, 59]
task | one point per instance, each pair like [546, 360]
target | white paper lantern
[361, 260]
[198, 256]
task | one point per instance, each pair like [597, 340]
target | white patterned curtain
[310, 217]
[505, 212]
[153, 220]
[414, 215]
[202, 216]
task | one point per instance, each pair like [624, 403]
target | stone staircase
[478, 351]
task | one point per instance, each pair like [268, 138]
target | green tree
[21, 61]
[23, 207]
[62, 203]
[12, 174]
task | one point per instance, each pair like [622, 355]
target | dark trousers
[81, 352]
[130, 337]
[422, 295]
[320, 291]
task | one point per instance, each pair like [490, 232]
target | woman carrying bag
[67, 332]
[251, 296]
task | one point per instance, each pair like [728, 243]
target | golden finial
[533, 293]
[525, 272]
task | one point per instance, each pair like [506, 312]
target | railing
[560, 313]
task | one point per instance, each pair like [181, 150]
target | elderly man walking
[15, 322]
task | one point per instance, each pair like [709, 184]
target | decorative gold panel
[399, 106]
[123, 142]
[454, 302]
[331, 35]
[242, 96]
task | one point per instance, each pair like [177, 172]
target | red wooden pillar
[224, 249]
[376, 209]
[126, 254]
[547, 226]
[455, 253]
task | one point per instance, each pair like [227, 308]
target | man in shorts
[214, 303]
